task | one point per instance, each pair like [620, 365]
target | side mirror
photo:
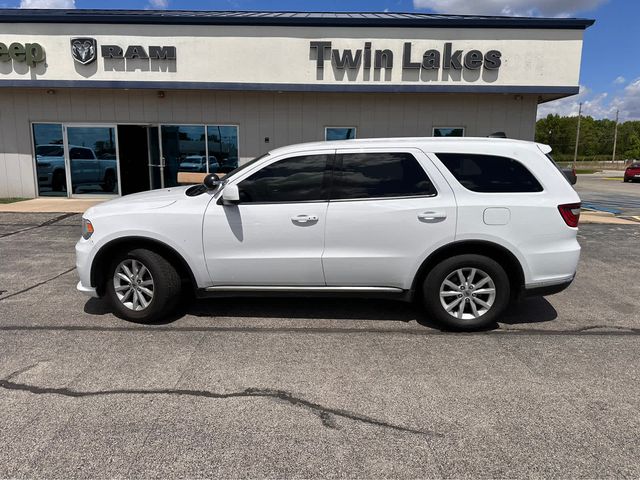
[231, 195]
[211, 181]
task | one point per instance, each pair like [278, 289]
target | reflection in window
[184, 150]
[340, 133]
[93, 160]
[222, 141]
[379, 175]
[50, 168]
[296, 179]
[448, 132]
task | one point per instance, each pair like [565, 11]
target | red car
[632, 173]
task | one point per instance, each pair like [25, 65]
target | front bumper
[83, 266]
[89, 291]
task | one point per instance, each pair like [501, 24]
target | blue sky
[610, 77]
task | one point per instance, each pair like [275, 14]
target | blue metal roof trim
[350, 19]
[561, 91]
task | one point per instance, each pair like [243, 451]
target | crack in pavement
[595, 330]
[19, 292]
[325, 414]
[589, 329]
[40, 225]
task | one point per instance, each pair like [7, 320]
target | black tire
[109, 184]
[167, 286]
[627, 180]
[436, 278]
[58, 181]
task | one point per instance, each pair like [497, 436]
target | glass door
[92, 153]
[184, 149]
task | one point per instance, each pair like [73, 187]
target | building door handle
[304, 219]
[432, 216]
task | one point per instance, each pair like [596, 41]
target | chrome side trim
[285, 288]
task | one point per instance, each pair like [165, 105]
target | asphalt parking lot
[607, 192]
[298, 388]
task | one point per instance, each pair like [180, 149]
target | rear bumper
[547, 288]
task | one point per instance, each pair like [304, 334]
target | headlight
[87, 229]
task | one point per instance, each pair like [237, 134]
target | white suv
[461, 225]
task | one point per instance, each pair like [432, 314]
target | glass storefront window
[222, 141]
[89, 161]
[184, 150]
[50, 166]
[93, 160]
[448, 132]
[339, 133]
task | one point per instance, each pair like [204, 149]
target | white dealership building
[115, 102]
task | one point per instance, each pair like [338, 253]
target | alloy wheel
[467, 293]
[133, 284]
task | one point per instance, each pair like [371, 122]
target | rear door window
[379, 175]
[489, 173]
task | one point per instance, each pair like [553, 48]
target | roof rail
[497, 135]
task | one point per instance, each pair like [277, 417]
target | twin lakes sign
[85, 51]
[431, 59]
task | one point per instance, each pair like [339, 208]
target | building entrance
[133, 148]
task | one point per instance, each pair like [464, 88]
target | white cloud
[598, 105]
[629, 102]
[620, 80]
[547, 8]
[158, 4]
[47, 3]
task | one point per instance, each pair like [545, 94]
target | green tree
[596, 137]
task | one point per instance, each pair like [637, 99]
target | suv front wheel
[466, 292]
[142, 285]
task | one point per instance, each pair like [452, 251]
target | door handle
[432, 216]
[304, 218]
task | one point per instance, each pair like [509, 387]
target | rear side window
[489, 173]
[379, 175]
[295, 179]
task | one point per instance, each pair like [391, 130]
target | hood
[139, 201]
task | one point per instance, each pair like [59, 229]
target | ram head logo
[83, 50]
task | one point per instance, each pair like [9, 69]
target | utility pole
[575, 153]
[615, 138]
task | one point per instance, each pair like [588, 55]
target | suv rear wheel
[466, 292]
[142, 285]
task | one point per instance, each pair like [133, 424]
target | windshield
[242, 167]
[49, 151]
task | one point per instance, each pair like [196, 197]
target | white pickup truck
[86, 168]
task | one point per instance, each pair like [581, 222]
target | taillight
[570, 213]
